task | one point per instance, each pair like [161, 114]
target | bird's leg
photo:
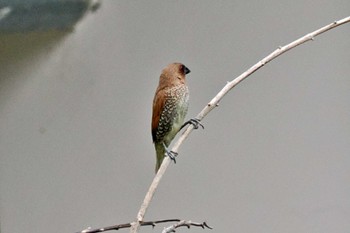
[171, 154]
[195, 122]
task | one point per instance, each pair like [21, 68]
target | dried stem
[179, 223]
[187, 224]
[215, 101]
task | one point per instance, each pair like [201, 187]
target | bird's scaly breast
[178, 97]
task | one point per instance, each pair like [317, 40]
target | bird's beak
[186, 70]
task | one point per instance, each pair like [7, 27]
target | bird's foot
[195, 122]
[171, 154]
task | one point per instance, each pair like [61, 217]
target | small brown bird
[170, 106]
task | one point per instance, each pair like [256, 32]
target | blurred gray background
[75, 112]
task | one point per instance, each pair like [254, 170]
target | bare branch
[187, 224]
[180, 223]
[214, 103]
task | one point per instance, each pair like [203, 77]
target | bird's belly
[174, 113]
[177, 123]
[174, 129]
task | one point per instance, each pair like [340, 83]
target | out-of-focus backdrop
[75, 112]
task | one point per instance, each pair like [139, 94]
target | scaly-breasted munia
[170, 106]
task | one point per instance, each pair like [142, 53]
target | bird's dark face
[181, 68]
[180, 73]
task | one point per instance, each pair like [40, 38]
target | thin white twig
[215, 101]
[184, 223]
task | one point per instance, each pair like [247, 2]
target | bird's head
[174, 74]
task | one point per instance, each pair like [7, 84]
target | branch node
[206, 225]
[210, 104]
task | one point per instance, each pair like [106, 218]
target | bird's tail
[160, 151]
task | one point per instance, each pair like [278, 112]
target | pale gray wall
[75, 112]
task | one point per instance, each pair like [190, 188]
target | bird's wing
[158, 106]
